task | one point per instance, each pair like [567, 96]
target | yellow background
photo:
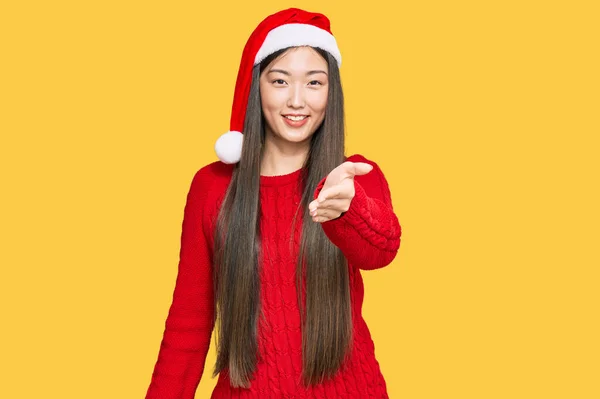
[484, 116]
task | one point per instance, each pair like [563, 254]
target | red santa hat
[286, 28]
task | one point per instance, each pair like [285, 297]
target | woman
[275, 235]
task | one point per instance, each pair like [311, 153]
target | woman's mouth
[295, 121]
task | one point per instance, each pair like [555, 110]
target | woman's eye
[279, 81]
[316, 81]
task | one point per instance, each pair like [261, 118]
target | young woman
[276, 233]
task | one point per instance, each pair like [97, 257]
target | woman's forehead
[298, 60]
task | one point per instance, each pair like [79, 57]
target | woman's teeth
[295, 118]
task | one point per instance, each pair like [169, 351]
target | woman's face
[296, 83]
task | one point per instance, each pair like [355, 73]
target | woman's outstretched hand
[337, 192]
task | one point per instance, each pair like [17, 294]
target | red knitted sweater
[369, 236]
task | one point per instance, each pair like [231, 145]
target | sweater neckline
[279, 180]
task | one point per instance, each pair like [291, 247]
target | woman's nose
[296, 99]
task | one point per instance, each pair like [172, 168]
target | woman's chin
[296, 135]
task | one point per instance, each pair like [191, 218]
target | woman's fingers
[330, 205]
[343, 190]
[325, 215]
[332, 202]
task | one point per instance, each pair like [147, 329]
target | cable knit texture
[369, 236]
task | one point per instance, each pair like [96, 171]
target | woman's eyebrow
[289, 74]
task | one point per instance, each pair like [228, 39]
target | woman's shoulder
[215, 170]
[211, 176]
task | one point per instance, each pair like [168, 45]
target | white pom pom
[229, 146]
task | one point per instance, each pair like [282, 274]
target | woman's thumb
[362, 168]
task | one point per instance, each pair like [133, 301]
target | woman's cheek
[320, 101]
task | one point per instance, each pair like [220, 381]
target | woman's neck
[276, 161]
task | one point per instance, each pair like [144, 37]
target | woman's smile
[295, 121]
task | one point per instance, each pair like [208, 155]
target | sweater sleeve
[189, 323]
[369, 232]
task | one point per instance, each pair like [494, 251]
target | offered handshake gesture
[337, 192]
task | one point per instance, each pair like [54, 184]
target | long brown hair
[327, 318]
